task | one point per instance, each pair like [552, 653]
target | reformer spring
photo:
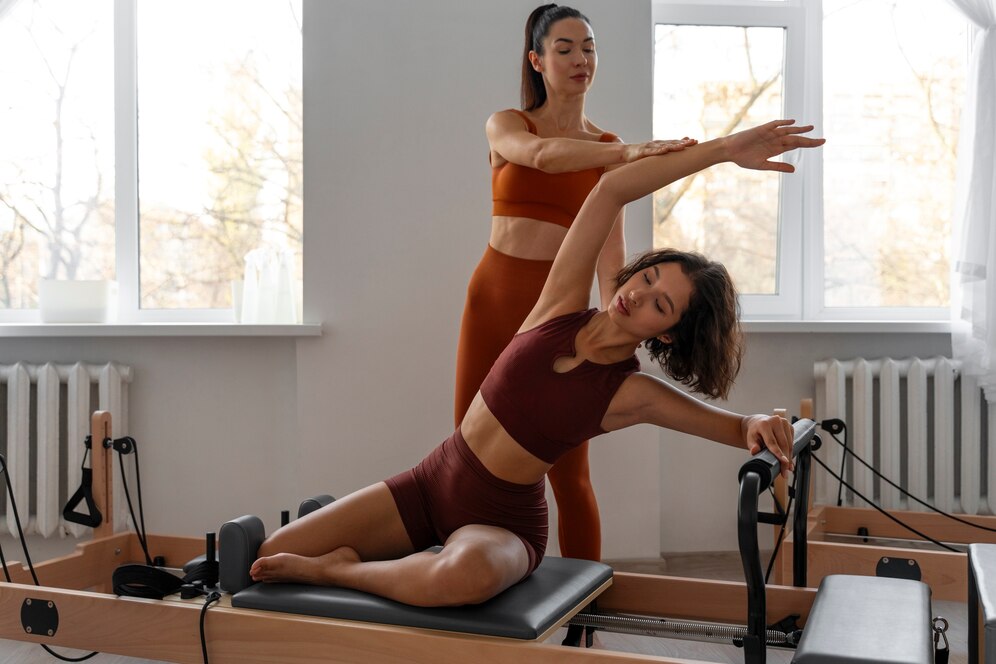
[677, 629]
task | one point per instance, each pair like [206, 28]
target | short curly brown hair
[707, 346]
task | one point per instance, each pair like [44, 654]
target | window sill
[848, 327]
[34, 330]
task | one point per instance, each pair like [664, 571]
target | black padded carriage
[532, 609]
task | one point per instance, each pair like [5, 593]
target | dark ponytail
[537, 28]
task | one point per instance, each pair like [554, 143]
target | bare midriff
[522, 237]
[499, 452]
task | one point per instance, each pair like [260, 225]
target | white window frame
[126, 210]
[129, 313]
[799, 292]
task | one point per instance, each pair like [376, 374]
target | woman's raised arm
[569, 283]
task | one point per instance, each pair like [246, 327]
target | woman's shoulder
[511, 119]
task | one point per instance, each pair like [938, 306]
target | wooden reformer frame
[944, 571]
[89, 617]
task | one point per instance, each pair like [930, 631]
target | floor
[720, 566]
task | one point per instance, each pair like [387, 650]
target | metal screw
[27, 629]
[910, 562]
[28, 601]
[885, 560]
[50, 605]
[50, 632]
[117, 552]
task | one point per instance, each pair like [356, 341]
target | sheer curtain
[973, 286]
[5, 6]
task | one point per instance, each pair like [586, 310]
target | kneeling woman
[568, 375]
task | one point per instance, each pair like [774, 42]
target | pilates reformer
[75, 610]
[864, 541]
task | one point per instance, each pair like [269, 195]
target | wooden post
[101, 461]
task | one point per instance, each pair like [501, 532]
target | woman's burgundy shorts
[451, 488]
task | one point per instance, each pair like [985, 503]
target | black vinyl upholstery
[558, 588]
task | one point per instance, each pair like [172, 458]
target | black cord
[140, 522]
[843, 459]
[906, 493]
[873, 504]
[781, 531]
[213, 597]
[27, 558]
[17, 520]
[68, 659]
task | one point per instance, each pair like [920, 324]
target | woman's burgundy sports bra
[547, 412]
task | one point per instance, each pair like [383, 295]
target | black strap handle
[83, 494]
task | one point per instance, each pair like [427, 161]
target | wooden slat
[696, 599]
[848, 520]
[168, 630]
[944, 572]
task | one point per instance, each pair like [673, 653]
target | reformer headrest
[238, 543]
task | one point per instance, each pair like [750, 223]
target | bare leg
[477, 563]
[366, 520]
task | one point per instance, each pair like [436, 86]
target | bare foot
[292, 568]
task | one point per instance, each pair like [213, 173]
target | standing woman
[545, 159]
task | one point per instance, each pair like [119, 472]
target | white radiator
[911, 419]
[48, 418]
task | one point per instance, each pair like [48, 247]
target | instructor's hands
[636, 151]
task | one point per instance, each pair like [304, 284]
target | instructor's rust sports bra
[546, 412]
[520, 191]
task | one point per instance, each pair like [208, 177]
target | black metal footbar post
[755, 477]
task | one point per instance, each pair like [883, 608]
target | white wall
[397, 204]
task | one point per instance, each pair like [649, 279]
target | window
[862, 230]
[155, 143]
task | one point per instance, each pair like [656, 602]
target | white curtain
[973, 286]
[5, 6]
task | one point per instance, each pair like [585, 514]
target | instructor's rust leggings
[501, 293]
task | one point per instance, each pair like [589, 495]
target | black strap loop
[83, 494]
[153, 583]
[144, 581]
